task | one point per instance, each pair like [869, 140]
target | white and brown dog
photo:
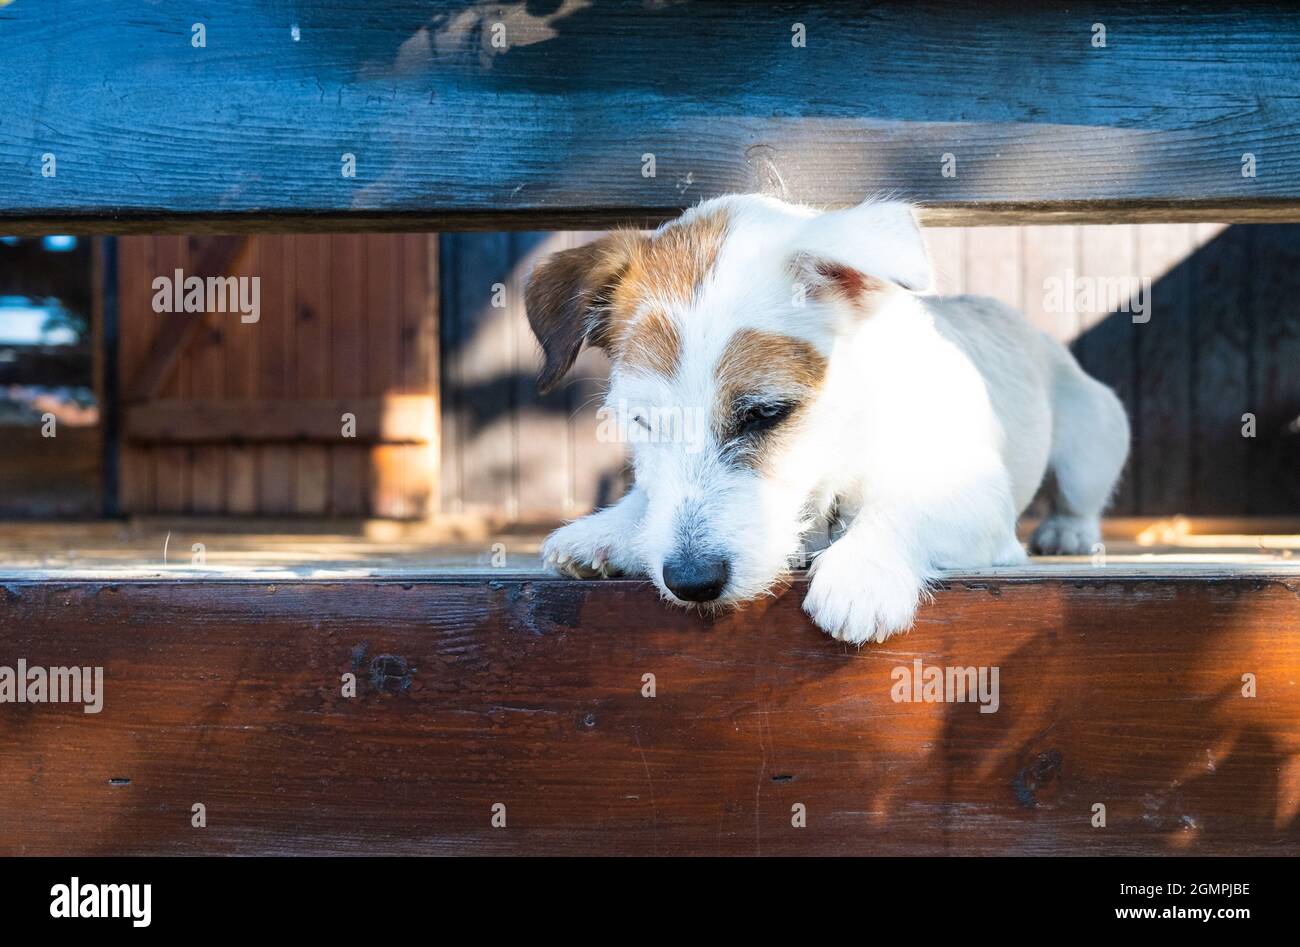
[829, 387]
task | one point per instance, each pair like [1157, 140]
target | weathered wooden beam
[218, 256]
[393, 419]
[531, 693]
[464, 117]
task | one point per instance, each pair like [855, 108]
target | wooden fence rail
[346, 114]
[1119, 690]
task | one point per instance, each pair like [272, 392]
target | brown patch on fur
[568, 296]
[665, 270]
[755, 361]
[672, 264]
[827, 277]
[592, 294]
[772, 367]
[651, 344]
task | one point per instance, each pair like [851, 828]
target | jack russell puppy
[778, 369]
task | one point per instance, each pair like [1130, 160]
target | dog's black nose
[696, 579]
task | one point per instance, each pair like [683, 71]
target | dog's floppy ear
[568, 296]
[861, 251]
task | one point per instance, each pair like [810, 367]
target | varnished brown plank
[528, 693]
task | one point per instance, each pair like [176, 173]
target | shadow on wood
[528, 692]
[1212, 381]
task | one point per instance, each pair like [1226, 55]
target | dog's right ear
[861, 252]
[568, 299]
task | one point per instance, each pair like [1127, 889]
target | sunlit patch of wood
[234, 547]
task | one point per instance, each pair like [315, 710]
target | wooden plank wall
[505, 449]
[341, 315]
[1223, 340]
[50, 477]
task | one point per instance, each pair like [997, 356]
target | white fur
[935, 426]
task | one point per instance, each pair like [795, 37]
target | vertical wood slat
[1273, 296]
[421, 285]
[107, 474]
[172, 464]
[1106, 340]
[403, 478]
[135, 257]
[382, 262]
[451, 320]
[541, 427]
[386, 477]
[242, 369]
[277, 363]
[1048, 263]
[947, 257]
[992, 264]
[312, 313]
[494, 357]
[1162, 429]
[1221, 349]
[484, 355]
[205, 360]
[348, 352]
[511, 315]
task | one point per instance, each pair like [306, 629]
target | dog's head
[722, 328]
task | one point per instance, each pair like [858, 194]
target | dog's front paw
[858, 598]
[586, 549]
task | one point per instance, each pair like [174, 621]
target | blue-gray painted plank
[149, 131]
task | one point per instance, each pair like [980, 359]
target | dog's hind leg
[1090, 441]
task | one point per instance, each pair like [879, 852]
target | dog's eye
[761, 417]
[641, 421]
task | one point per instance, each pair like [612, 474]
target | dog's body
[830, 388]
